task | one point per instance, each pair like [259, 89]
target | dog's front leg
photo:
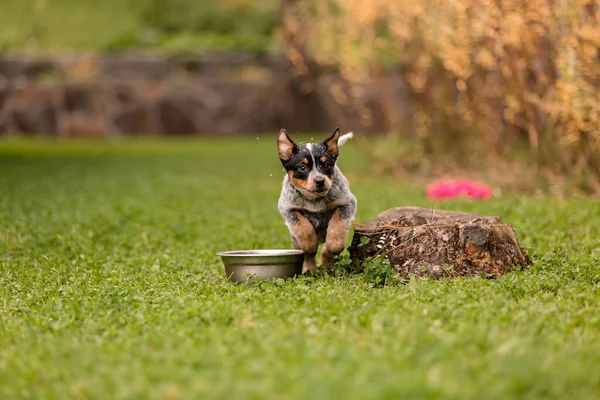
[304, 238]
[335, 241]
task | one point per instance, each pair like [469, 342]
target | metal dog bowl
[257, 265]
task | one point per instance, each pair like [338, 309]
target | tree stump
[438, 244]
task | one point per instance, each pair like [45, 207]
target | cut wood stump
[438, 244]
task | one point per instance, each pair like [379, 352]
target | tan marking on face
[299, 183]
[305, 161]
[323, 159]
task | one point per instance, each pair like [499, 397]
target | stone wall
[146, 94]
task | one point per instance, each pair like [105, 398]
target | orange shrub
[500, 71]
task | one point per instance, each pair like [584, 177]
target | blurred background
[505, 89]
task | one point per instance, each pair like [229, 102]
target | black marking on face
[309, 158]
[325, 161]
[300, 164]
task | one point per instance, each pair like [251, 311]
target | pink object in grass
[450, 189]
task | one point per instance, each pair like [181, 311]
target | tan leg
[335, 241]
[310, 263]
[305, 239]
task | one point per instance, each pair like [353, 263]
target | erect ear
[332, 143]
[286, 146]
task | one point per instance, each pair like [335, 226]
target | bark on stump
[438, 244]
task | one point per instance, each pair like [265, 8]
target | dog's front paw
[327, 259]
[309, 265]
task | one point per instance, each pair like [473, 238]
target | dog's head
[310, 167]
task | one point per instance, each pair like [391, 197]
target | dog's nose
[320, 182]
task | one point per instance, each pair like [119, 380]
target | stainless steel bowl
[252, 265]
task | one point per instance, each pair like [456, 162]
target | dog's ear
[331, 143]
[286, 146]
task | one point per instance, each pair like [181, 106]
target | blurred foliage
[486, 76]
[212, 24]
[115, 25]
[497, 74]
[64, 25]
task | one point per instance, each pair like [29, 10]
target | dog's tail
[344, 138]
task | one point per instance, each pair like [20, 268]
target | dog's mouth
[318, 192]
[310, 191]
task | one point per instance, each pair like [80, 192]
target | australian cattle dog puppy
[315, 200]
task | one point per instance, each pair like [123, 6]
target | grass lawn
[110, 288]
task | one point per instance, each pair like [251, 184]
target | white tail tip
[344, 138]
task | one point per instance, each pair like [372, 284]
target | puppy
[315, 200]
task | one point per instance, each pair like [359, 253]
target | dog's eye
[302, 168]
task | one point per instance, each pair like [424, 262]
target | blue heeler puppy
[315, 201]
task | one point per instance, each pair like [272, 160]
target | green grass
[110, 288]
